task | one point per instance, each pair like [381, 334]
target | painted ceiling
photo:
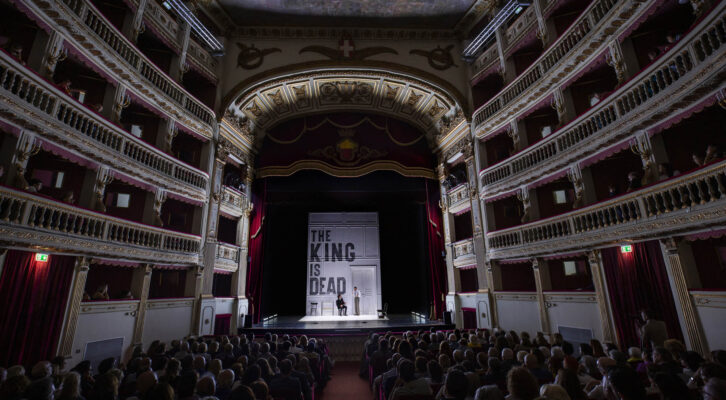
[432, 14]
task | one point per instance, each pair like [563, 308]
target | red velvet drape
[435, 245]
[33, 297]
[636, 281]
[257, 230]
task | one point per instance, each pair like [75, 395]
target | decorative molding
[97, 307]
[74, 305]
[266, 104]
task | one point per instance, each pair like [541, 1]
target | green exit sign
[40, 257]
[626, 249]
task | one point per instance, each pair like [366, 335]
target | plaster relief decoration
[261, 106]
[411, 103]
[347, 92]
[346, 50]
[302, 97]
[250, 57]
[347, 151]
[275, 96]
[438, 58]
[390, 93]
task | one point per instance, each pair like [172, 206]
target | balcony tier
[688, 203]
[33, 103]
[41, 223]
[458, 198]
[584, 40]
[677, 80]
[169, 30]
[95, 38]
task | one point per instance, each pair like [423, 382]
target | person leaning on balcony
[35, 186]
[633, 181]
[101, 293]
[712, 154]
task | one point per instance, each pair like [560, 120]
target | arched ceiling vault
[252, 108]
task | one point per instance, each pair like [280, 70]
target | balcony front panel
[464, 253]
[670, 85]
[169, 30]
[95, 38]
[41, 223]
[688, 203]
[584, 40]
[35, 104]
[233, 202]
[227, 257]
[458, 198]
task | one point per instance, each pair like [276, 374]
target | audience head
[160, 391]
[715, 389]
[626, 384]
[522, 384]
[206, 386]
[553, 392]
[406, 370]
[489, 392]
[456, 385]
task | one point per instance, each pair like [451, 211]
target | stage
[345, 325]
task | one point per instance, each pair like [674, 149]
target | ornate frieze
[402, 96]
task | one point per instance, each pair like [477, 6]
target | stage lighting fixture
[204, 34]
[513, 7]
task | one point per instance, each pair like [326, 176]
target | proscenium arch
[253, 107]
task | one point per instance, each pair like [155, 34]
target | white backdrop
[343, 252]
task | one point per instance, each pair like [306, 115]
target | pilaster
[542, 281]
[193, 288]
[494, 281]
[594, 258]
[140, 282]
[452, 277]
[676, 264]
[80, 273]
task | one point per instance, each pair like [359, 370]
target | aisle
[346, 384]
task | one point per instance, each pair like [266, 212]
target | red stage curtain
[636, 281]
[33, 297]
[435, 245]
[222, 323]
[257, 230]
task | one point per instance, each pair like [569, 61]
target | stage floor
[340, 318]
[345, 325]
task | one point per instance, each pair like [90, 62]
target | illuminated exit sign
[626, 249]
[40, 257]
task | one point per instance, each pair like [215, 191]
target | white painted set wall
[102, 321]
[711, 309]
[518, 311]
[575, 310]
[167, 319]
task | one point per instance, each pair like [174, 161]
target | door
[365, 279]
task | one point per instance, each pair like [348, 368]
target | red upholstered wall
[518, 277]
[167, 283]
[117, 278]
[345, 144]
[710, 258]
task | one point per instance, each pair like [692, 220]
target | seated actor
[342, 308]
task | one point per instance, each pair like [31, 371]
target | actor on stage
[356, 296]
[342, 308]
